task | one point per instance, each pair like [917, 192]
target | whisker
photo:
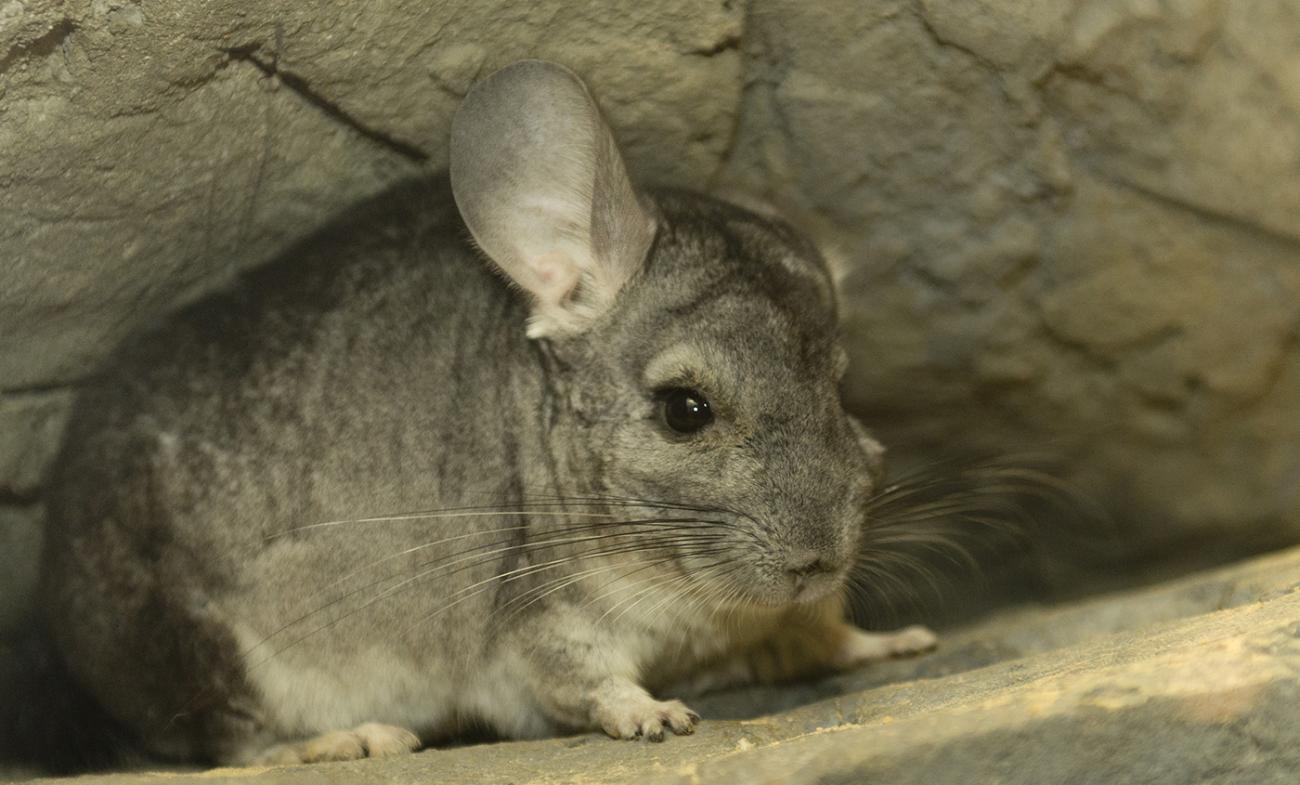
[560, 584]
[628, 603]
[956, 512]
[695, 552]
[649, 523]
[647, 565]
[521, 572]
[529, 507]
[707, 589]
[469, 558]
[651, 616]
[478, 587]
[438, 515]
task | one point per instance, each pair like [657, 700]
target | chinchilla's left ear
[541, 186]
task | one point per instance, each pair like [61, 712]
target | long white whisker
[479, 559]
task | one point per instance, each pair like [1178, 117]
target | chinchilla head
[696, 342]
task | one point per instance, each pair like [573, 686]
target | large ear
[540, 184]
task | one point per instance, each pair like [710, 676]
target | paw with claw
[625, 711]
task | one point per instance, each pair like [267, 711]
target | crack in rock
[931, 32]
[300, 86]
[43, 46]
[13, 498]
[1199, 211]
[729, 43]
[41, 388]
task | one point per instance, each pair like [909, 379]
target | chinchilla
[400, 482]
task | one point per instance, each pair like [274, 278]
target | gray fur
[236, 558]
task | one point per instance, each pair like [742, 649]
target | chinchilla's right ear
[541, 186]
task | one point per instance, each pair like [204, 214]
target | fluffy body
[350, 503]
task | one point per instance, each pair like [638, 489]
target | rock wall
[1064, 225]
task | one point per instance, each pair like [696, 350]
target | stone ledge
[1196, 680]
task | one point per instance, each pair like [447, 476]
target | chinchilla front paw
[861, 647]
[371, 740]
[629, 712]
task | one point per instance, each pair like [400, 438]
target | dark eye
[684, 411]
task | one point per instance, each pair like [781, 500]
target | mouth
[812, 589]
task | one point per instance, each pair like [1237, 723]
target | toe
[279, 755]
[682, 720]
[384, 740]
[914, 639]
[652, 721]
[339, 745]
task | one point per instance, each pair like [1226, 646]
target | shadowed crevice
[297, 84]
[41, 47]
[45, 388]
[13, 498]
[1200, 212]
[937, 38]
[727, 44]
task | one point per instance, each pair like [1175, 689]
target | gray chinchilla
[399, 483]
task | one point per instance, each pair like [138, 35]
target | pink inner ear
[555, 276]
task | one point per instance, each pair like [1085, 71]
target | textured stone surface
[1197, 680]
[147, 152]
[1064, 225]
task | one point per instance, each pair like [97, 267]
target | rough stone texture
[148, 150]
[1197, 680]
[1060, 224]
[1063, 224]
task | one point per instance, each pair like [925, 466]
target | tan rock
[1194, 680]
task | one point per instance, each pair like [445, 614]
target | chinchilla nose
[806, 563]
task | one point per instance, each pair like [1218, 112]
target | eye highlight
[683, 410]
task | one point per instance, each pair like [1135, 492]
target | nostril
[805, 564]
